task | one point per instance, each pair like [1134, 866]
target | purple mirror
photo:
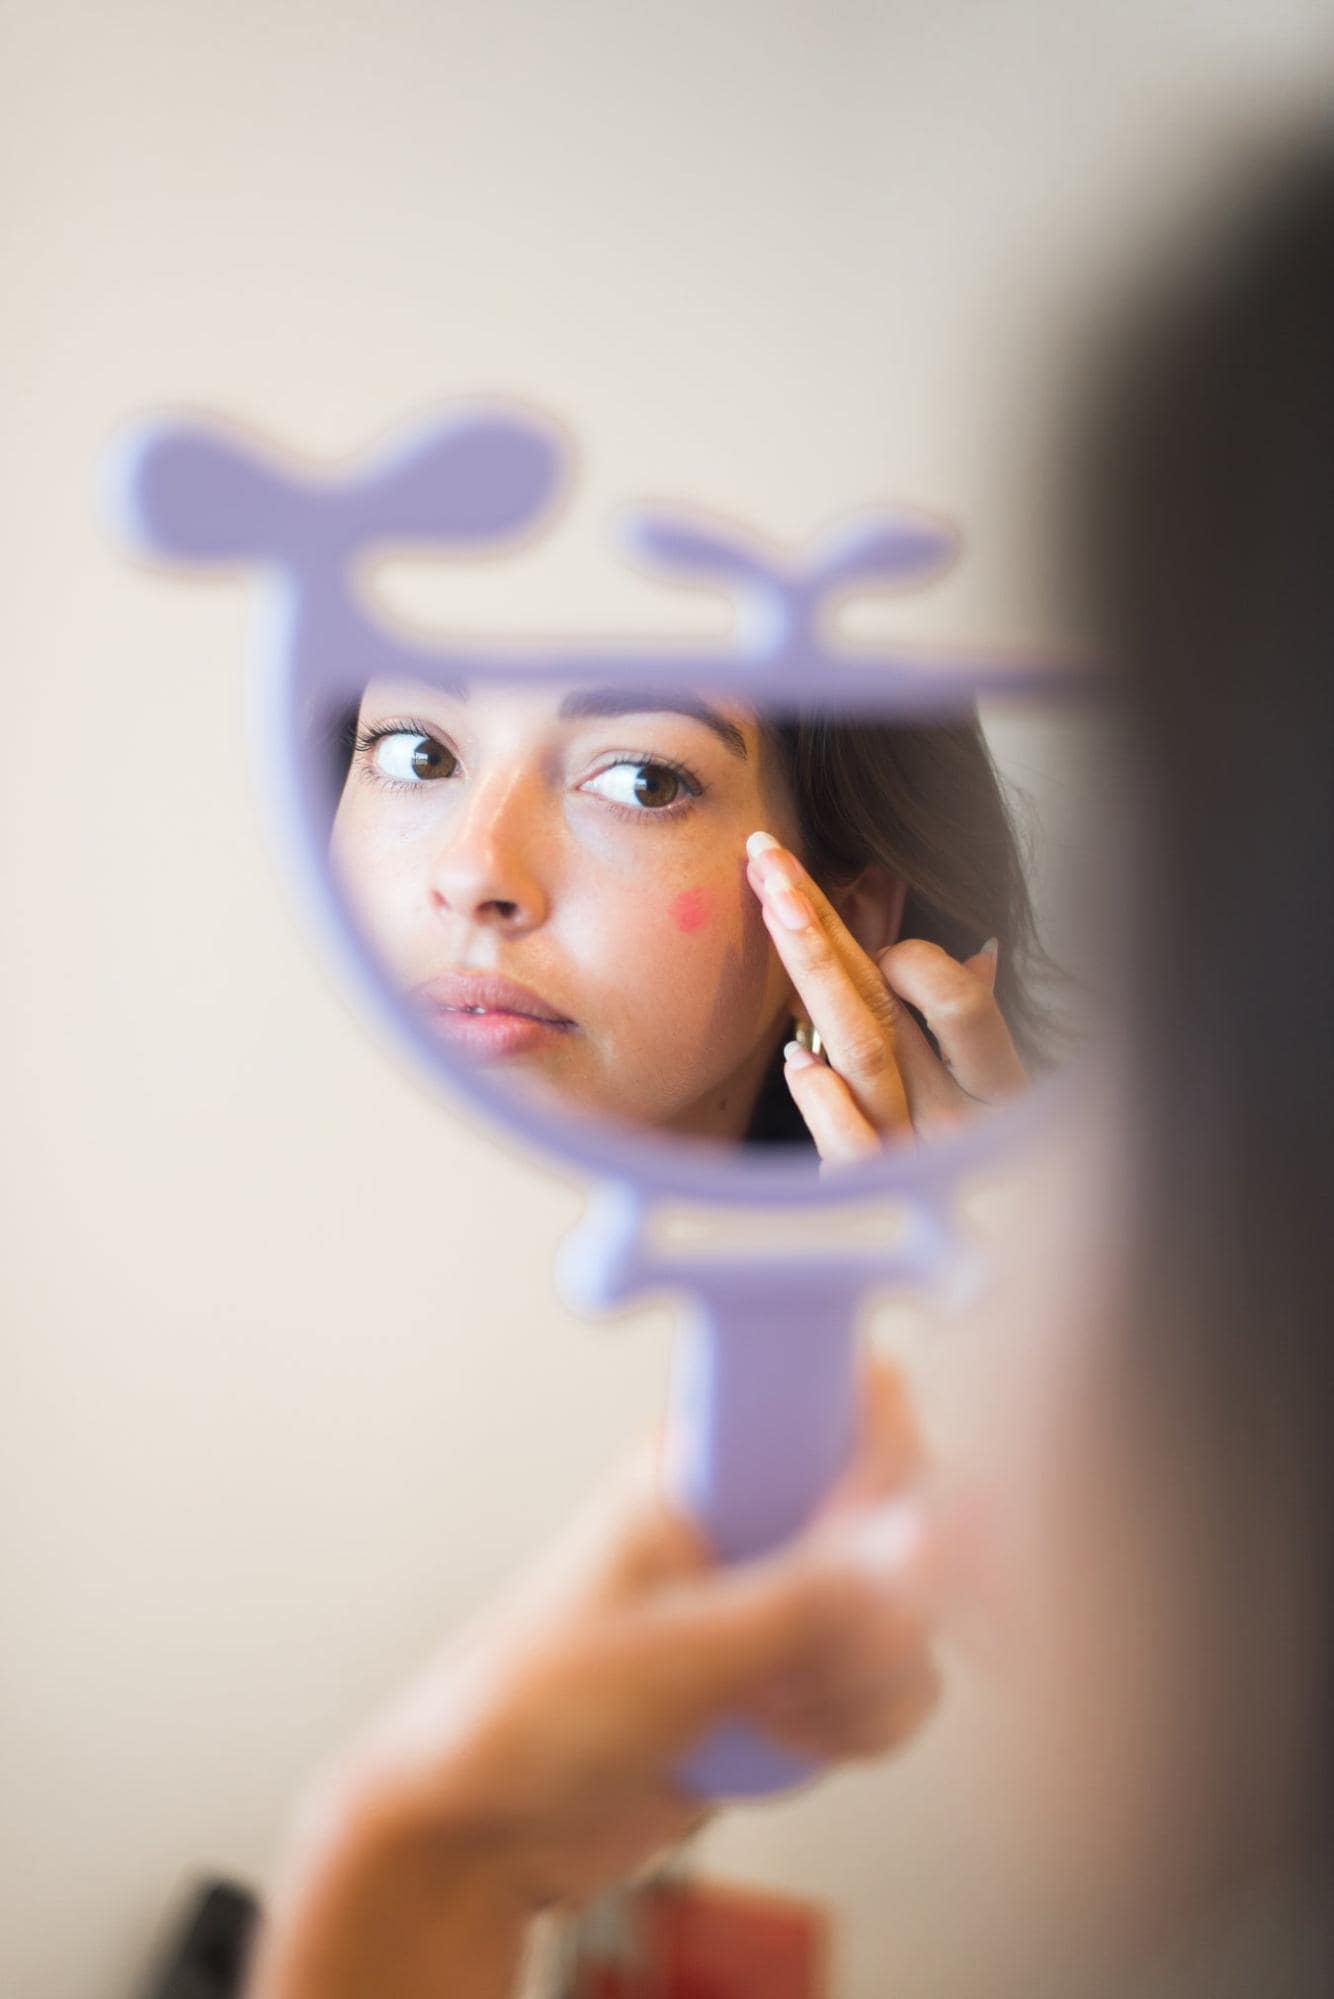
[531, 861]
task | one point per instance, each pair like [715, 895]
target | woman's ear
[872, 907]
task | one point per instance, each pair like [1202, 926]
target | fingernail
[798, 1057]
[991, 949]
[792, 910]
[760, 843]
[885, 1541]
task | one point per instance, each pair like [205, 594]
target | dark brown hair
[926, 803]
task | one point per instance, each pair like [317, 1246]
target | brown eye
[431, 759]
[650, 786]
[407, 757]
[656, 785]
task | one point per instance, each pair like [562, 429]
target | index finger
[843, 992]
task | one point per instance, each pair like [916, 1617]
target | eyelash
[695, 788]
[366, 739]
[406, 725]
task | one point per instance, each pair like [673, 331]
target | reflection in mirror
[565, 884]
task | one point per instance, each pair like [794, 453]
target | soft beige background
[285, 1386]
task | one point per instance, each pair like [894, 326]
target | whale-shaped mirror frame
[764, 1394]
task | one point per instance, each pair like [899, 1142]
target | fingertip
[909, 955]
[760, 843]
[986, 962]
[901, 956]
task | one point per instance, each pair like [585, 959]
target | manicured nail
[760, 843]
[991, 949]
[792, 910]
[798, 1057]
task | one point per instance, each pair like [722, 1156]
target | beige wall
[285, 1386]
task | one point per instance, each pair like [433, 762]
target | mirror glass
[555, 880]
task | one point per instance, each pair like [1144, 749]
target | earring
[808, 1036]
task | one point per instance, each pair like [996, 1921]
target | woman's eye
[647, 785]
[409, 758]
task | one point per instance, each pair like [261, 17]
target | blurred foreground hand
[531, 1763]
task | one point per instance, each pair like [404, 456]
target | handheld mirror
[531, 861]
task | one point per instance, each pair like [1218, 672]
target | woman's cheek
[654, 930]
[370, 874]
[712, 941]
[406, 929]
[691, 910]
[675, 942]
[384, 870]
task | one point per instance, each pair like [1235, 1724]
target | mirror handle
[763, 1417]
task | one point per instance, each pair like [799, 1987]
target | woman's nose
[487, 868]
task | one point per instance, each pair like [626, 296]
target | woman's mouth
[488, 1016]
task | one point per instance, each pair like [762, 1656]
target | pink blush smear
[690, 911]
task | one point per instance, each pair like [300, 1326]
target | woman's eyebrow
[617, 701]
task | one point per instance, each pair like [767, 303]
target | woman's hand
[533, 1762]
[882, 1080]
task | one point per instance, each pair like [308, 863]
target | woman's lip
[489, 1017]
[495, 1034]
[480, 996]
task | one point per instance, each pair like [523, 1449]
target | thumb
[710, 1645]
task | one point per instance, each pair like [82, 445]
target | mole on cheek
[690, 910]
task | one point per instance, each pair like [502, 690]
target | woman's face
[557, 880]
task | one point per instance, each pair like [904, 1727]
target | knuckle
[869, 1051]
[815, 949]
[871, 1723]
[873, 1732]
[897, 1713]
[891, 1726]
[845, 1608]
